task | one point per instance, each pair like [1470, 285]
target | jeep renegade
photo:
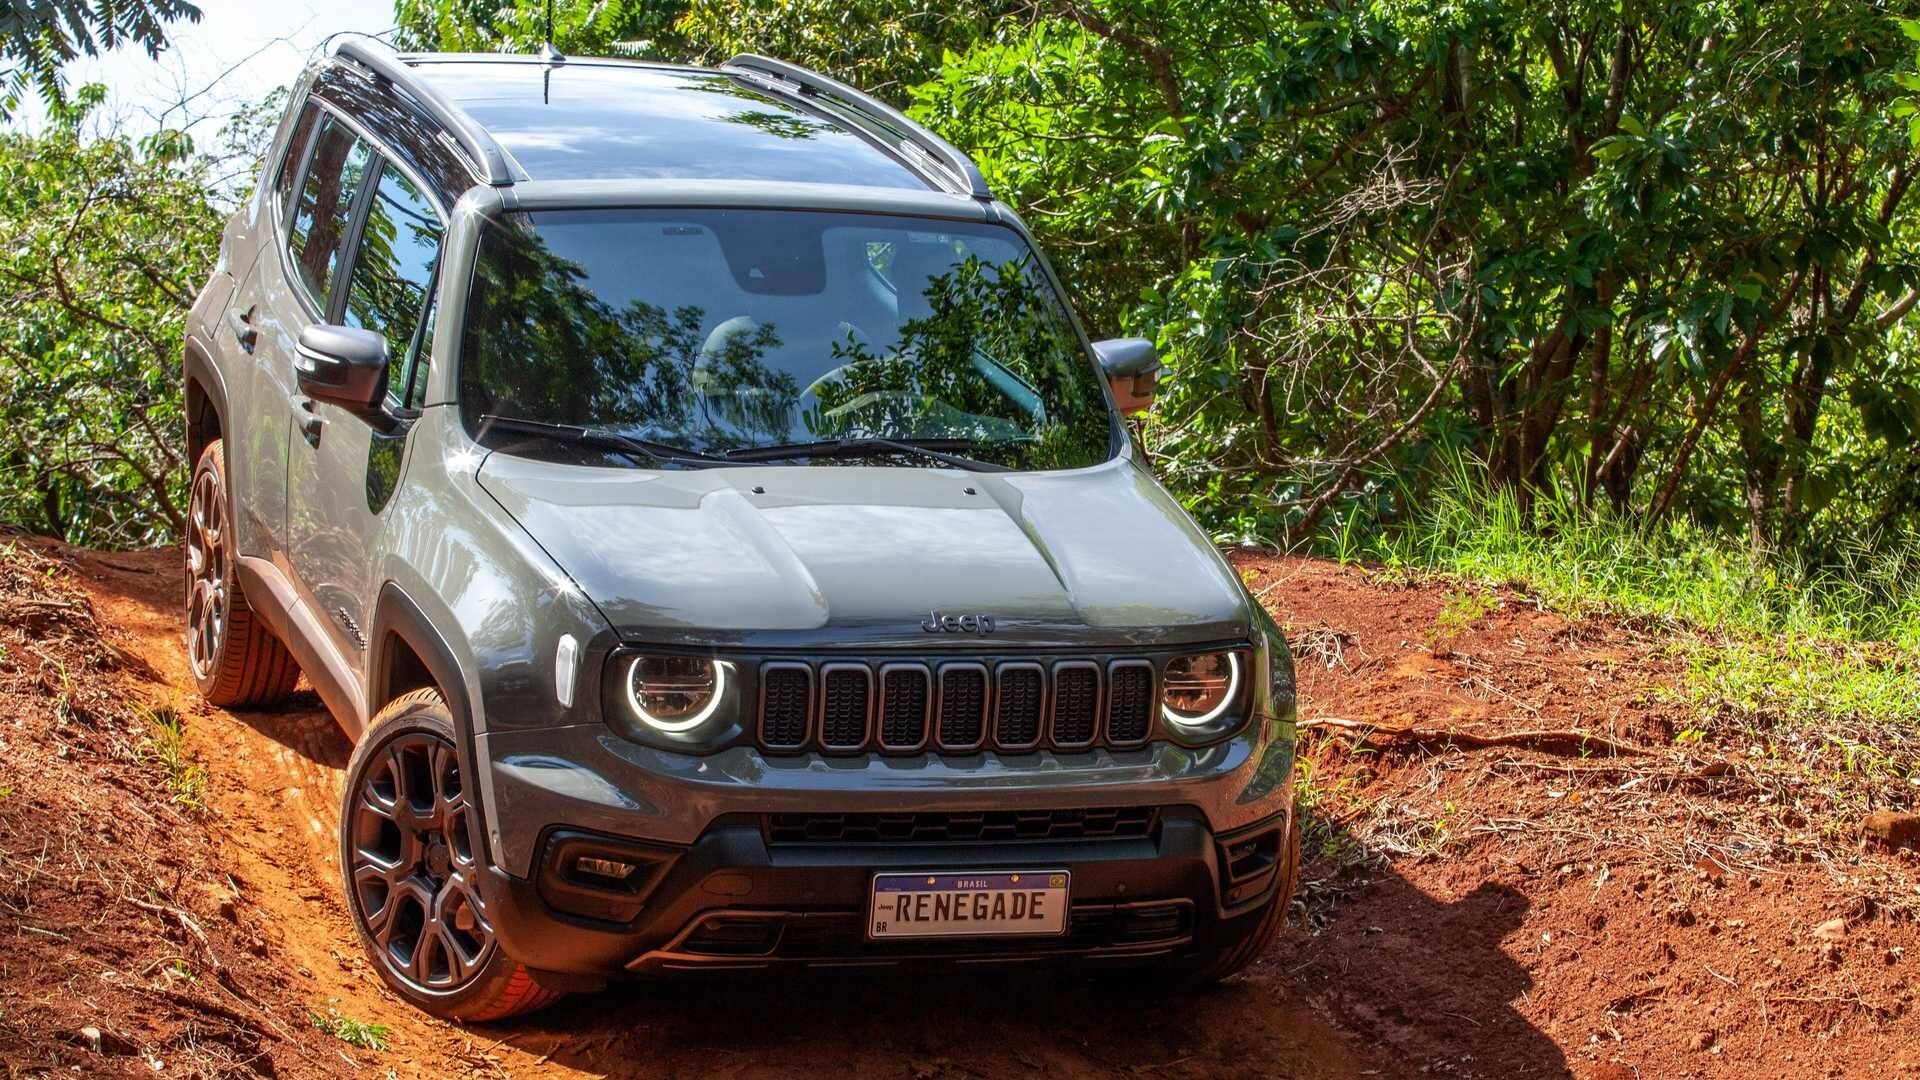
[692, 494]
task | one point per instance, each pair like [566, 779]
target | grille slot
[972, 827]
[1129, 702]
[1020, 707]
[963, 706]
[846, 699]
[905, 692]
[786, 705]
[955, 702]
[1076, 703]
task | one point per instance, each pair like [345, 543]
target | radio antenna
[548, 53]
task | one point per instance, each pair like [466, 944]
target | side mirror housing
[343, 366]
[1133, 369]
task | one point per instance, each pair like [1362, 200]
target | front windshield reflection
[725, 330]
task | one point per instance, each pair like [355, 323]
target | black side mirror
[343, 366]
[1133, 370]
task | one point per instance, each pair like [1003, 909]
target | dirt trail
[276, 780]
[1500, 911]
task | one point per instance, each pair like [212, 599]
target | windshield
[725, 330]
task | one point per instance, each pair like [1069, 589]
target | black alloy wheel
[207, 569]
[413, 869]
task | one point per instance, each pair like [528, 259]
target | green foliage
[39, 37]
[580, 27]
[353, 1032]
[102, 247]
[1657, 254]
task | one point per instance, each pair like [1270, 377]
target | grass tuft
[166, 749]
[353, 1032]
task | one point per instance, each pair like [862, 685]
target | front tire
[411, 868]
[236, 660]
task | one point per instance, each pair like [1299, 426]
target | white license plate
[1012, 903]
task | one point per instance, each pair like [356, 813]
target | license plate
[1013, 903]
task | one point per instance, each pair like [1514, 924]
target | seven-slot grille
[1009, 705]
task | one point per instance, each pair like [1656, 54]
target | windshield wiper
[868, 446]
[638, 449]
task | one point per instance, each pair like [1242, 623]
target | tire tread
[253, 669]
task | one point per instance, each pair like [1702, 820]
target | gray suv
[691, 492]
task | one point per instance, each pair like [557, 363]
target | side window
[334, 171]
[296, 150]
[393, 276]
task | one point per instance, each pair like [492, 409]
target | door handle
[243, 330]
[311, 425]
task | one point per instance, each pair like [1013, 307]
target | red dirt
[1489, 912]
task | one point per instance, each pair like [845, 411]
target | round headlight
[1196, 689]
[675, 693]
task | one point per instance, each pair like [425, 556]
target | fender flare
[397, 615]
[198, 366]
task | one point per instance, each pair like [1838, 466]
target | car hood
[798, 555]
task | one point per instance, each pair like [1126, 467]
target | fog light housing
[600, 877]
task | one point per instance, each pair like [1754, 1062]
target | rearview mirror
[1133, 370]
[343, 366]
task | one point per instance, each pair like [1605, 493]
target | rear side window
[334, 170]
[296, 153]
[393, 278]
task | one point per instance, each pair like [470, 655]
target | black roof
[607, 120]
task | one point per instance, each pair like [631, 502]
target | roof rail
[798, 81]
[382, 60]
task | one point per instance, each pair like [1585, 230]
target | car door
[258, 372]
[295, 287]
[341, 468]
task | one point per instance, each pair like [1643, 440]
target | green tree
[103, 245]
[39, 37]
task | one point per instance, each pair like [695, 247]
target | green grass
[350, 1031]
[1766, 642]
[166, 749]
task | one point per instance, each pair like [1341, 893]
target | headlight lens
[674, 694]
[1197, 689]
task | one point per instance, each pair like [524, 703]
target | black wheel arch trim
[197, 367]
[397, 616]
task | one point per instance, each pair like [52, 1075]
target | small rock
[1891, 829]
[1702, 1041]
[104, 1042]
[1831, 930]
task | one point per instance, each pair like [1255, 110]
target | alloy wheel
[413, 866]
[207, 569]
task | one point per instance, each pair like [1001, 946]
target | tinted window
[725, 329]
[296, 149]
[392, 272]
[334, 171]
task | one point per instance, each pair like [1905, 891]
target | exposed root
[1551, 742]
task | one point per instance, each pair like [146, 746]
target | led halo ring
[1226, 700]
[676, 727]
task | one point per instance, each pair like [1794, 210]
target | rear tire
[410, 863]
[1238, 948]
[236, 660]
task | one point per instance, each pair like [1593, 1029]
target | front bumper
[588, 778]
[734, 900]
